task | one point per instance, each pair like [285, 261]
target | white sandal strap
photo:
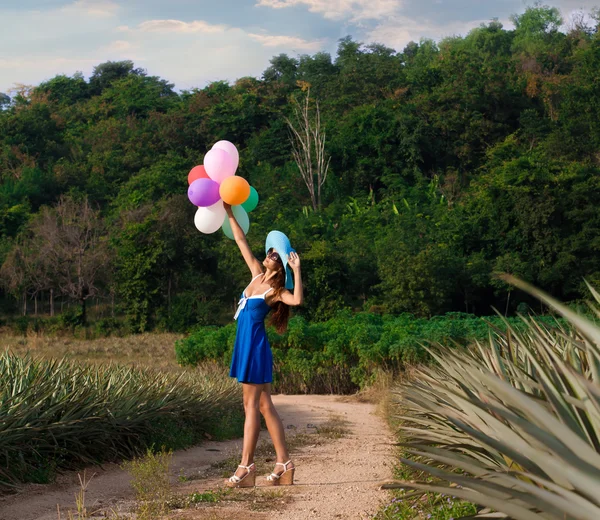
[235, 479]
[277, 476]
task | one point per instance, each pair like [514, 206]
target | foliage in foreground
[57, 414]
[519, 418]
[345, 353]
[150, 481]
[429, 507]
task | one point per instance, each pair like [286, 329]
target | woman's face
[273, 260]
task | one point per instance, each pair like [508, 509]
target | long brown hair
[280, 314]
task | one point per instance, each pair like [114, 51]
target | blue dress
[252, 360]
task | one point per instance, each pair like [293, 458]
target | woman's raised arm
[297, 297]
[240, 239]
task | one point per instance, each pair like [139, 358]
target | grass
[406, 505]
[255, 499]
[150, 480]
[428, 507]
[155, 350]
[82, 511]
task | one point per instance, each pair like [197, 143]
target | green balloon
[251, 201]
[242, 219]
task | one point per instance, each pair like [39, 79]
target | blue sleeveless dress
[252, 360]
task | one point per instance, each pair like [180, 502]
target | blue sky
[193, 42]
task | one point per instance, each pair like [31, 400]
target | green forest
[449, 163]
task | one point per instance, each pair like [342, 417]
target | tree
[15, 275]
[64, 89]
[308, 147]
[535, 28]
[4, 100]
[26, 272]
[283, 68]
[107, 74]
[74, 248]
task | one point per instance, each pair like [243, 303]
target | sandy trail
[334, 479]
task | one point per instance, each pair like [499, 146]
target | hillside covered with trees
[449, 162]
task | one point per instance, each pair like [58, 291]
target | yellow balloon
[234, 190]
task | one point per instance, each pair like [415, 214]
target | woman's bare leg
[251, 393]
[275, 427]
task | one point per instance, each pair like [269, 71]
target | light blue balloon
[242, 219]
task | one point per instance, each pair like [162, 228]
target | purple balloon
[204, 192]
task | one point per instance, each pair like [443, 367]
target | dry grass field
[155, 350]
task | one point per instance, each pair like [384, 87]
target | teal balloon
[251, 201]
[242, 219]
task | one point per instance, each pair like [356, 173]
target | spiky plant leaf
[519, 419]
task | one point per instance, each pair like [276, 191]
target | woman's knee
[251, 405]
[265, 404]
[251, 402]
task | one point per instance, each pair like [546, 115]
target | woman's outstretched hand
[227, 207]
[294, 260]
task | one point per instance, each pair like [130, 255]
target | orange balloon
[197, 172]
[234, 190]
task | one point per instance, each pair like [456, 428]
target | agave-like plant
[514, 425]
[69, 414]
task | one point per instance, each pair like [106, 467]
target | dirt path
[335, 478]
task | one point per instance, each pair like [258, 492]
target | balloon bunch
[215, 182]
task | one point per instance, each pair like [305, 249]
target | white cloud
[120, 45]
[291, 42]
[94, 8]
[177, 26]
[354, 10]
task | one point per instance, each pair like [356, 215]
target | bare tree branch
[308, 147]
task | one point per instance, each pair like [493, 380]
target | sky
[193, 42]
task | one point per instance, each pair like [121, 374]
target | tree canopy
[450, 162]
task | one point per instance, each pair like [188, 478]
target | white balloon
[230, 149]
[209, 219]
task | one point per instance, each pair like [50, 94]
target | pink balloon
[218, 165]
[230, 149]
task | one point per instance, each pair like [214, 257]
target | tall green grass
[58, 414]
[514, 423]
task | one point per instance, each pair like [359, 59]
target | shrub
[345, 353]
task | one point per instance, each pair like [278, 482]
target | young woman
[252, 363]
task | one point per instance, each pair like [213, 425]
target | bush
[345, 353]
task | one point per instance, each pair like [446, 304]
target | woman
[252, 361]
